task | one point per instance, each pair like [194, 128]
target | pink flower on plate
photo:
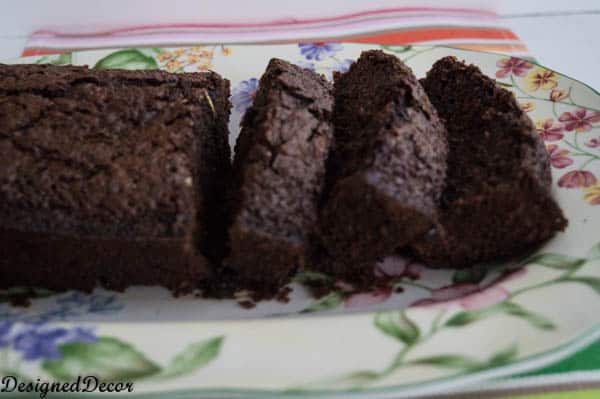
[512, 65]
[558, 156]
[549, 130]
[471, 296]
[396, 266]
[593, 143]
[368, 298]
[558, 94]
[579, 120]
[576, 179]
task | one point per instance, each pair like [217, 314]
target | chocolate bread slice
[279, 171]
[497, 200]
[387, 169]
[108, 176]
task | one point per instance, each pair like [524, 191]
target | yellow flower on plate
[173, 65]
[225, 50]
[204, 66]
[196, 49]
[164, 56]
[527, 106]
[179, 52]
[541, 78]
[192, 59]
[592, 194]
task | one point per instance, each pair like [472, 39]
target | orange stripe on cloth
[500, 48]
[28, 52]
[431, 34]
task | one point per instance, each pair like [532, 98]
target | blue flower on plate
[44, 343]
[319, 51]
[243, 94]
[5, 329]
[90, 303]
[343, 65]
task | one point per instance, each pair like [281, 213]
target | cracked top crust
[103, 153]
[281, 151]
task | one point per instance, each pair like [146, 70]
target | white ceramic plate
[429, 331]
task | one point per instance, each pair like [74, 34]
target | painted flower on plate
[558, 94]
[527, 106]
[541, 78]
[593, 143]
[396, 266]
[549, 130]
[368, 298]
[558, 156]
[43, 343]
[342, 66]
[243, 94]
[512, 66]
[592, 194]
[319, 51]
[5, 329]
[471, 296]
[579, 120]
[576, 179]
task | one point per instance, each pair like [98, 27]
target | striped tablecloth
[577, 377]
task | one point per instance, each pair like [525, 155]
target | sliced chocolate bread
[279, 171]
[111, 177]
[497, 201]
[387, 170]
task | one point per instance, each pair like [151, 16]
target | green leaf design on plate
[62, 59]
[397, 325]
[463, 318]
[592, 282]
[304, 277]
[535, 319]
[451, 361]
[397, 49]
[128, 59]
[329, 301]
[150, 52]
[193, 357]
[503, 357]
[473, 275]
[109, 359]
[594, 252]
[557, 261]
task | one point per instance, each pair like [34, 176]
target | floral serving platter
[429, 331]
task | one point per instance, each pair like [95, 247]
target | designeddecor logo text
[90, 383]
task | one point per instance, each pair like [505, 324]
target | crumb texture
[279, 171]
[92, 157]
[387, 168]
[497, 200]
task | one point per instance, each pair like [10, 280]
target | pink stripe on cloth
[384, 22]
[292, 21]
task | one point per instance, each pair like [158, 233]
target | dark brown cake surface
[497, 200]
[387, 169]
[279, 170]
[100, 168]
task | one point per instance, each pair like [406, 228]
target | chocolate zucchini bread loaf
[110, 177]
[497, 200]
[387, 170]
[279, 171]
